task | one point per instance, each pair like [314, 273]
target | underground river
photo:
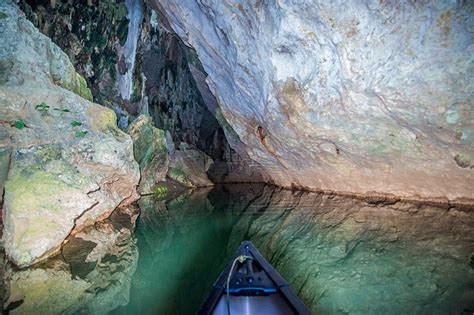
[341, 255]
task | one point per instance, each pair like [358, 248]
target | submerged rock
[342, 95]
[150, 152]
[70, 164]
[343, 255]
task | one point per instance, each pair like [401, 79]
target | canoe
[250, 285]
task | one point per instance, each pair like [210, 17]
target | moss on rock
[149, 148]
[33, 197]
[179, 175]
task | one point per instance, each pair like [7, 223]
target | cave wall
[67, 165]
[346, 96]
[180, 103]
[167, 80]
[89, 33]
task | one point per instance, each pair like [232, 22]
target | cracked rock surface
[91, 276]
[68, 164]
[342, 95]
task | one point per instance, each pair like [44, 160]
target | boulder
[92, 276]
[70, 165]
[189, 166]
[149, 148]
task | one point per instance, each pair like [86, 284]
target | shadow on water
[340, 255]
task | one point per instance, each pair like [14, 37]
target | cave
[224, 157]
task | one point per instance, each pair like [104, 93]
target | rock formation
[167, 82]
[68, 163]
[91, 276]
[189, 166]
[343, 255]
[89, 34]
[342, 95]
[150, 152]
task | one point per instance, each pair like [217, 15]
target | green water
[340, 255]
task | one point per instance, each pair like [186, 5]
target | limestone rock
[150, 152]
[70, 164]
[92, 276]
[189, 166]
[88, 34]
[340, 95]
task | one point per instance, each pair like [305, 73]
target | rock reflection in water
[340, 255]
[91, 275]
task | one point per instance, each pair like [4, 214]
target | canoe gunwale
[247, 248]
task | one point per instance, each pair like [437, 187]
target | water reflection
[91, 275]
[340, 255]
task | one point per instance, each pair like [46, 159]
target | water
[340, 255]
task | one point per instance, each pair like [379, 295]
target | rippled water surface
[340, 255]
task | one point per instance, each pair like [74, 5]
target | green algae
[148, 142]
[103, 119]
[462, 160]
[160, 191]
[47, 153]
[81, 88]
[19, 124]
[81, 134]
[179, 175]
[5, 154]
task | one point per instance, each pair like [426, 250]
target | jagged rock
[181, 104]
[341, 95]
[150, 152]
[167, 80]
[92, 276]
[189, 166]
[88, 34]
[70, 164]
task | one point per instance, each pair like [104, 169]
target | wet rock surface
[68, 164]
[135, 64]
[348, 256]
[342, 96]
[189, 166]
